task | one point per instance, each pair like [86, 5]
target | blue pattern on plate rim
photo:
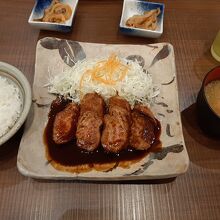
[40, 6]
[127, 30]
[143, 6]
[58, 27]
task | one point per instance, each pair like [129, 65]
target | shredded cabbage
[136, 86]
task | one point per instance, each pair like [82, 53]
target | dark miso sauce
[70, 155]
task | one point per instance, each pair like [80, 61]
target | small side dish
[142, 18]
[146, 21]
[57, 12]
[54, 15]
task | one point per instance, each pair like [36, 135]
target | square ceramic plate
[52, 55]
[38, 12]
[138, 7]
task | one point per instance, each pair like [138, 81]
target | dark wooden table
[191, 26]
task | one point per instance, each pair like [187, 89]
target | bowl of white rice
[15, 100]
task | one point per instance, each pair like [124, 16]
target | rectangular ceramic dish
[52, 55]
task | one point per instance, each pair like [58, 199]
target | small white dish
[38, 12]
[135, 7]
[16, 77]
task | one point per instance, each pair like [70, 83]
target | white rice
[137, 85]
[10, 105]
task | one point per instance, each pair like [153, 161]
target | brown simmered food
[124, 139]
[142, 128]
[88, 131]
[57, 12]
[115, 135]
[146, 21]
[91, 118]
[65, 123]
[94, 103]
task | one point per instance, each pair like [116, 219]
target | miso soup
[212, 93]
